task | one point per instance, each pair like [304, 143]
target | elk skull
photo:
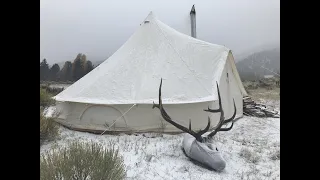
[195, 145]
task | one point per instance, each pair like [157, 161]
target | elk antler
[164, 114]
[198, 135]
[222, 120]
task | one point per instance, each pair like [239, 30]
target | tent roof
[189, 68]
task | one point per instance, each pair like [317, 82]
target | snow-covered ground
[251, 150]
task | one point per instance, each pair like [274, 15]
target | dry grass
[249, 155]
[82, 161]
[262, 93]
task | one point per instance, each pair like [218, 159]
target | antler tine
[227, 129]
[201, 132]
[220, 106]
[163, 112]
[160, 100]
[233, 116]
[155, 106]
[167, 118]
[217, 128]
[222, 121]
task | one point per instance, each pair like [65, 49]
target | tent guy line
[118, 119]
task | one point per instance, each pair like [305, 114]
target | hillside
[255, 65]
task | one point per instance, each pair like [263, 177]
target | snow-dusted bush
[275, 155]
[45, 98]
[82, 161]
[249, 156]
[48, 128]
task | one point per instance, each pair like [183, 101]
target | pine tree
[44, 70]
[66, 72]
[54, 70]
[89, 67]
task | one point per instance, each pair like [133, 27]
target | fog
[98, 28]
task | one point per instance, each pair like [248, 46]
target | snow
[157, 156]
[50, 112]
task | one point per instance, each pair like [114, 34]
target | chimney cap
[193, 10]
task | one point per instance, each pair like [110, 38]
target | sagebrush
[51, 90]
[275, 155]
[82, 161]
[45, 98]
[48, 128]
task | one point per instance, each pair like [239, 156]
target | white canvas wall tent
[118, 95]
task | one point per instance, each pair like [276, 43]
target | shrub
[82, 161]
[45, 98]
[48, 128]
[275, 155]
[52, 90]
[249, 156]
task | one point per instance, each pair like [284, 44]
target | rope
[118, 119]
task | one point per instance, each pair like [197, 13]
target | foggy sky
[98, 28]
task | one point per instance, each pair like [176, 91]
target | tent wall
[145, 119]
[229, 90]
[236, 75]
[139, 118]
